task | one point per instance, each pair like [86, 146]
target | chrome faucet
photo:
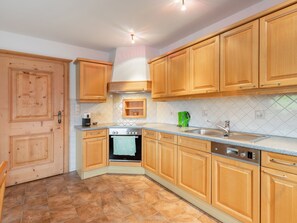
[226, 128]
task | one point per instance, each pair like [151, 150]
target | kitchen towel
[124, 145]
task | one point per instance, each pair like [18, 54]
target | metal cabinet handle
[275, 175]
[167, 137]
[94, 133]
[273, 84]
[283, 163]
[243, 87]
[59, 117]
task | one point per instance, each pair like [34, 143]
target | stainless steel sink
[244, 136]
[247, 137]
[208, 132]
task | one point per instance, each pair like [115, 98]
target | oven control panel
[124, 131]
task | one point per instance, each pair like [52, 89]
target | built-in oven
[125, 144]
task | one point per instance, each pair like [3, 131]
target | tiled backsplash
[273, 115]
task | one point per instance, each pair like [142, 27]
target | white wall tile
[280, 113]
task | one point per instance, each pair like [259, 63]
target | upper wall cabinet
[278, 52]
[158, 70]
[239, 57]
[178, 72]
[204, 66]
[91, 80]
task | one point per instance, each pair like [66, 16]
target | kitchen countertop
[283, 145]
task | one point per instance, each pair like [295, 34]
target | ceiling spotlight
[183, 8]
[132, 38]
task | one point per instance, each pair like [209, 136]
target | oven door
[115, 156]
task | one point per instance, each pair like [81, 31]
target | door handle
[283, 163]
[275, 175]
[59, 117]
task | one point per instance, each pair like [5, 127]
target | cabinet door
[278, 49]
[239, 58]
[278, 196]
[194, 172]
[236, 188]
[158, 71]
[178, 72]
[205, 66]
[94, 153]
[150, 148]
[167, 161]
[92, 81]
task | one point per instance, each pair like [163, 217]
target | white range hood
[131, 70]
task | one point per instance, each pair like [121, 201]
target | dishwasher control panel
[237, 152]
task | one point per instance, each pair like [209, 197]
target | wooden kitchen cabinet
[94, 153]
[91, 150]
[236, 188]
[178, 72]
[205, 66]
[278, 188]
[194, 172]
[278, 196]
[150, 154]
[278, 48]
[167, 161]
[158, 72]
[91, 80]
[239, 57]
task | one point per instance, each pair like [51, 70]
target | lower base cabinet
[150, 153]
[236, 188]
[278, 196]
[94, 153]
[194, 172]
[278, 188]
[91, 150]
[167, 161]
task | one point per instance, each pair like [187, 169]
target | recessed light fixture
[183, 7]
[132, 38]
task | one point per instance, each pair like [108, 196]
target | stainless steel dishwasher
[236, 181]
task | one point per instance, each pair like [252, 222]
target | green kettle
[183, 119]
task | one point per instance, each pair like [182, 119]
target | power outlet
[259, 114]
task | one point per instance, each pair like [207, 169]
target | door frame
[66, 126]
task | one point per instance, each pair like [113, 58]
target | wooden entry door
[32, 117]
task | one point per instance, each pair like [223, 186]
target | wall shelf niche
[134, 108]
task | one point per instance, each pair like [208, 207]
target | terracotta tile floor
[106, 198]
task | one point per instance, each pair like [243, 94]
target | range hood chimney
[131, 70]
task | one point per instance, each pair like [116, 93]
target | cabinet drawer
[280, 162]
[94, 133]
[165, 137]
[198, 144]
[149, 134]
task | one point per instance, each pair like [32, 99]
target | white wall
[252, 10]
[28, 44]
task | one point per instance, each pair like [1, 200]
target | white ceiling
[105, 24]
